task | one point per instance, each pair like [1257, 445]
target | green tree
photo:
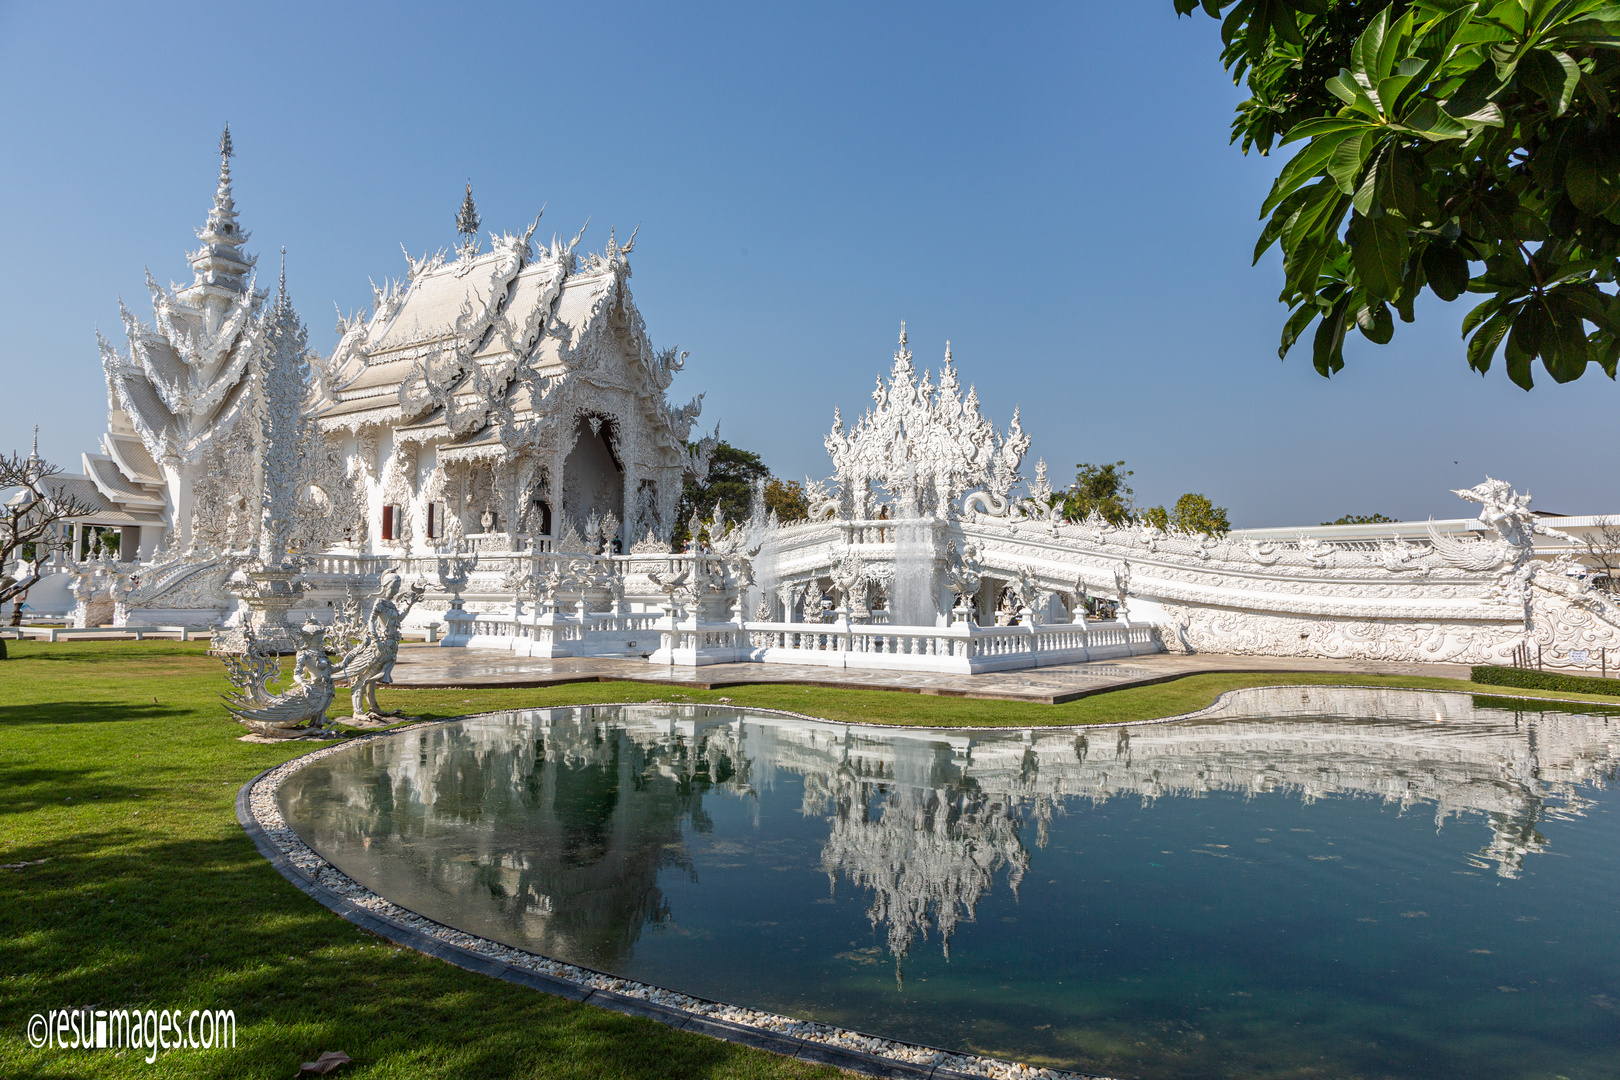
[788, 499]
[1361, 519]
[732, 472]
[1099, 488]
[1193, 513]
[1462, 147]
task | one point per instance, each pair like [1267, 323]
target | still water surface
[1315, 882]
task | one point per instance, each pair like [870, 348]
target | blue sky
[1049, 187]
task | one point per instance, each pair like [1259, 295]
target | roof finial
[467, 217]
[902, 331]
[34, 454]
[284, 275]
[225, 151]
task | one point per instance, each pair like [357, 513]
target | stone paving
[425, 666]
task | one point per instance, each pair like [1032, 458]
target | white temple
[498, 426]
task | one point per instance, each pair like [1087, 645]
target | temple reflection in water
[923, 821]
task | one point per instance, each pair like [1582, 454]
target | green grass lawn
[119, 768]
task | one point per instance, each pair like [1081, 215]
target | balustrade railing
[948, 648]
[687, 641]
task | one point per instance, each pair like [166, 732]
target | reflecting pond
[1311, 882]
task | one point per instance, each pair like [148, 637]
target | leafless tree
[29, 517]
[1602, 550]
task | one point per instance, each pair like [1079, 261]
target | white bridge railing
[960, 648]
[688, 642]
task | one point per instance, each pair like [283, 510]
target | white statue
[297, 711]
[372, 661]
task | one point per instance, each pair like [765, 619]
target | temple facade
[497, 426]
[507, 400]
[511, 397]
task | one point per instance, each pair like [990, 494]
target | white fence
[962, 648]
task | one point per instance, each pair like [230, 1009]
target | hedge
[1493, 675]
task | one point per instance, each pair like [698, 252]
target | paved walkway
[425, 666]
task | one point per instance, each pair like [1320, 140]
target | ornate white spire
[280, 382]
[220, 262]
[467, 225]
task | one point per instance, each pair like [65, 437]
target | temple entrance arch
[593, 476]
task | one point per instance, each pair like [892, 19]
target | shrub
[1493, 675]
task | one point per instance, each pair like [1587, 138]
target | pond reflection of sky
[1316, 881]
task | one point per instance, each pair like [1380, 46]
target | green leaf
[1327, 352]
[1345, 164]
[1364, 53]
[1432, 123]
[1378, 249]
[1563, 352]
[1447, 271]
[1482, 348]
[1552, 75]
[1367, 194]
[1411, 287]
[1592, 304]
[1523, 343]
[1375, 322]
[1343, 87]
[1307, 163]
[1592, 179]
[1324, 125]
[1297, 322]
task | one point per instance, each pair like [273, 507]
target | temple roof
[477, 331]
[105, 474]
[132, 459]
[102, 510]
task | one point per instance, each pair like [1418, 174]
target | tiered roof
[480, 348]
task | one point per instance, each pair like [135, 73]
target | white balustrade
[960, 648]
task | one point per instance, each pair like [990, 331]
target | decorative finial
[467, 217]
[948, 360]
[902, 331]
[34, 454]
[284, 278]
[225, 150]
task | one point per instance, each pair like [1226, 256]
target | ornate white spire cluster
[924, 445]
[181, 383]
[281, 372]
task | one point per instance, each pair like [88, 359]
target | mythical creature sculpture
[372, 661]
[299, 710]
[963, 573]
[849, 580]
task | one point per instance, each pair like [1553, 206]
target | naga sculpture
[299, 710]
[371, 661]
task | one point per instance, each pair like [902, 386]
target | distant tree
[1193, 513]
[787, 499]
[1099, 488]
[29, 523]
[1466, 147]
[1602, 548]
[732, 472]
[1361, 519]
